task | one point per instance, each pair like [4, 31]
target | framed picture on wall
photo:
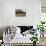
[20, 13]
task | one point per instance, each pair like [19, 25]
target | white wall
[0, 13]
[32, 8]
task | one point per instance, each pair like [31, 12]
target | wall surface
[0, 12]
[32, 8]
[8, 17]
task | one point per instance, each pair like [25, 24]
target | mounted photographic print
[20, 13]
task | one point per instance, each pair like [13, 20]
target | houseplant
[34, 39]
[41, 27]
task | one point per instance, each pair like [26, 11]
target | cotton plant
[34, 39]
[41, 27]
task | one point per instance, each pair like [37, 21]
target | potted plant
[34, 39]
[41, 27]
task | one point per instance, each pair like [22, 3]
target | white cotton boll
[38, 32]
[28, 32]
[34, 27]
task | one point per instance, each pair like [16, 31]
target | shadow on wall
[1, 33]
